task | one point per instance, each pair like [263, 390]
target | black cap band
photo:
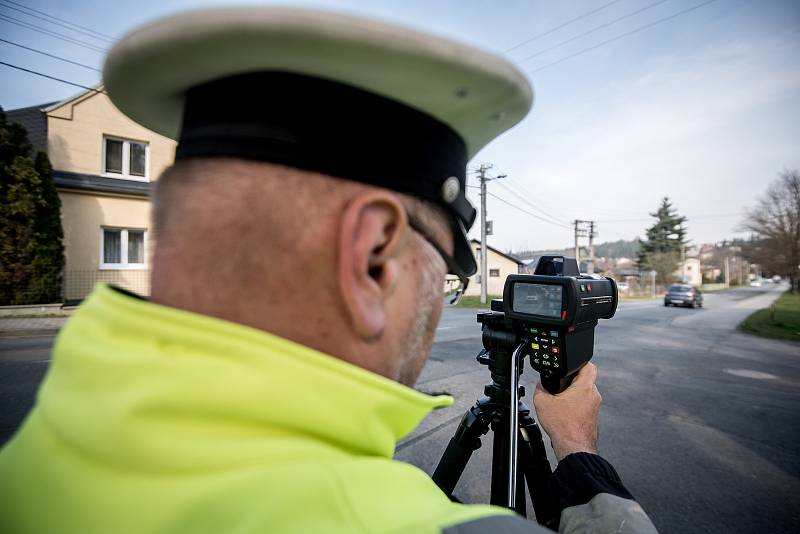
[328, 127]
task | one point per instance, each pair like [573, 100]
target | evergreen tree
[661, 250]
[31, 235]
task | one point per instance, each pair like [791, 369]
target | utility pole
[590, 265]
[683, 263]
[727, 272]
[653, 282]
[581, 232]
[484, 246]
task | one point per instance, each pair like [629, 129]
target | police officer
[304, 233]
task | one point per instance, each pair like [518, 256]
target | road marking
[747, 373]
[445, 328]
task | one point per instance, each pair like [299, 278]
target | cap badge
[450, 189]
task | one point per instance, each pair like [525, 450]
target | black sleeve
[581, 476]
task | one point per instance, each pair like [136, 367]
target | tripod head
[498, 348]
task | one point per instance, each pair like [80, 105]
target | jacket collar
[175, 388]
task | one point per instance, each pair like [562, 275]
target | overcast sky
[703, 107]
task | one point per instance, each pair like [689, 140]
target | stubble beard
[422, 329]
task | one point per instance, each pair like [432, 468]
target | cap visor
[464, 256]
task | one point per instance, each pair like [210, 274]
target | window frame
[126, 159]
[123, 238]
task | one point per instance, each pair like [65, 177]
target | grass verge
[779, 321]
[474, 301]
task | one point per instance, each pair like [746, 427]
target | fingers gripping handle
[557, 384]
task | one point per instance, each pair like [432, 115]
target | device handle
[555, 385]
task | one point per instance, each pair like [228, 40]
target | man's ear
[372, 228]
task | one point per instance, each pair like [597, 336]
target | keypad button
[555, 350]
[553, 334]
[535, 346]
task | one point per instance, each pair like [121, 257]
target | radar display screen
[538, 299]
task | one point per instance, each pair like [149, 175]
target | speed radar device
[550, 317]
[554, 315]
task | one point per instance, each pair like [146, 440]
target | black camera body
[554, 313]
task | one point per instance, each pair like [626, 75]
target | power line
[567, 23]
[596, 28]
[523, 210]
[43, 75]
[68, 25]
[524, 190]
[618, 37]
[49, 55]
[529, 203]
[97, 33]
[57, 35]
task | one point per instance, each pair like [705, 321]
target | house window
[123, 158]
[122, 248]
[494, 272]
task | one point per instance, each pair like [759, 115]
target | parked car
[755, 283]
[683, 295]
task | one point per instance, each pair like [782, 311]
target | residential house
[104, 165]
[499, 266]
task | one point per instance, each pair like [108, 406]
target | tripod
[517, 449]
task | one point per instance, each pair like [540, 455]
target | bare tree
[664, 264]
[775, 227]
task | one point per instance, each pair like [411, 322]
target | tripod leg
[499, 487]
[466, 440]
[519, 505]
[536, 466]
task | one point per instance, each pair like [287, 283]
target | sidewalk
[30, 326]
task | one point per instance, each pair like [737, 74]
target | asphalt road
[23, 363]
[702, 422]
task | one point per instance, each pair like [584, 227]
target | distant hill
[618, 249]
[612, 249]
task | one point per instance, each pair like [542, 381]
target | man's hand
[570, 418]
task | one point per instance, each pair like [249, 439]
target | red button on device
[555, 350]
[563, 315]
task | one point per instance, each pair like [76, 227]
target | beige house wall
[690, 271]
[494, 261]
[75, 132]
[83, 217]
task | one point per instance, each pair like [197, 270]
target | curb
[29, 333]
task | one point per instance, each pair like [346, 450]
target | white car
[755, 283]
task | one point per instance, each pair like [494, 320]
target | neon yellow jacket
[153, 419]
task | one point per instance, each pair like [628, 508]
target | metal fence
[21, 285]
[78, 284]
[26, 286]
